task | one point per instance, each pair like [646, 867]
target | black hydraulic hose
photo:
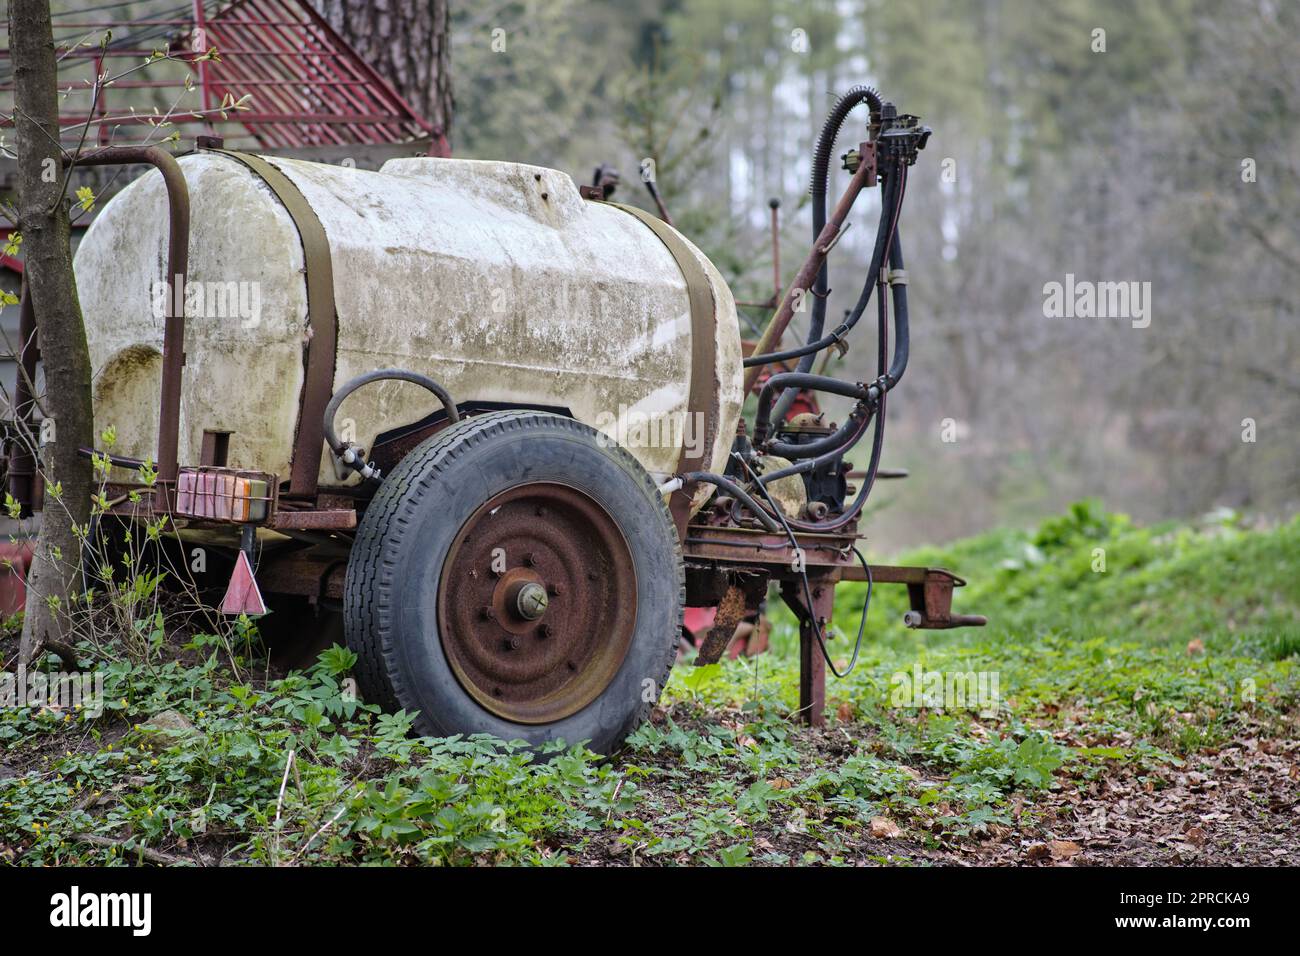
[836, 442]
[902, 335]
[354, 456]
[729, 486]
[878, 439]
[831, 525]
[820, 180]
[812, 623]
[118, 461]
[812, 464]
[843, 439]
[796, 381]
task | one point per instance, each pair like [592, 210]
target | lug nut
[546, 630]
[487, 612]
[554, 590]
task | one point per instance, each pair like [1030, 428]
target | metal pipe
[653, 190]
[803, 280]
[178, 263]
[775, 205]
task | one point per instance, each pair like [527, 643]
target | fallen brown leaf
[1064, 849]
[884, 828]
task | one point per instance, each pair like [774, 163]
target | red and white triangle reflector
[243, 595]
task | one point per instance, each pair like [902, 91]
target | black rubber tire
[390, 613]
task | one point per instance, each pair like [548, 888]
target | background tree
[43, 219]
[408, 43]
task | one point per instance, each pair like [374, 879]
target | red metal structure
[305, 86]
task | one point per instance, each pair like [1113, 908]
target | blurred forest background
[1132, 163]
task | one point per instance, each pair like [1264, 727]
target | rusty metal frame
[311, 88]
[828, 560]
[178, 258]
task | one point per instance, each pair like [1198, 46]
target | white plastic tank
[496, 279]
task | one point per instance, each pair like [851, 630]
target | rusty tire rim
[537, 602]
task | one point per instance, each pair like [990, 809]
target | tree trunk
[409, 43]
[43, 221]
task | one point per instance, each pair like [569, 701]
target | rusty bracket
[932, 603]
[333, 520]
[929, 591]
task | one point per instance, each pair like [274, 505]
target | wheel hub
[531, 601]
[537, 602]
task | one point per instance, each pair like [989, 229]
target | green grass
[1094, 672]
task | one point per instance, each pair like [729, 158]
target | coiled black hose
[820, 180]
[835, 442]
[795, 381]
[353, 455]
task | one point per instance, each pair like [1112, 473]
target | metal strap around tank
[702, 395]
[322, 323]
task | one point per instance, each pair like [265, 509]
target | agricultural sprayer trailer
[491, 421]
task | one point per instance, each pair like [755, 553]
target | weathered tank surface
[496, 279]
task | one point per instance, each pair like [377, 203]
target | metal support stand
[812, 665]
